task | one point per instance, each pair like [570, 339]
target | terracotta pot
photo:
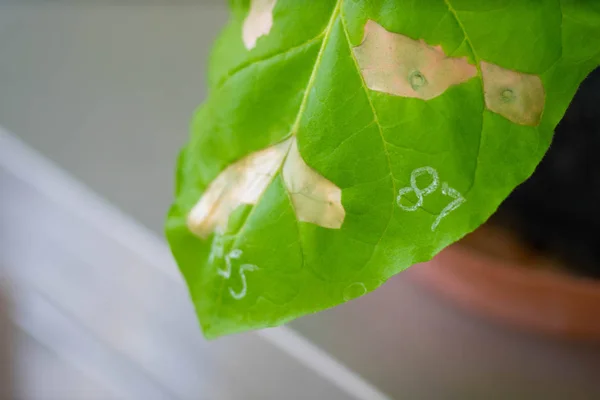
[490, 273]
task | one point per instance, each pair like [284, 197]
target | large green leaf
[422, 116]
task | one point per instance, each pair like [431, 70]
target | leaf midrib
[326, 34]
[311, 81]
[468, 40]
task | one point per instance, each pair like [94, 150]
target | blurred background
[95, 101]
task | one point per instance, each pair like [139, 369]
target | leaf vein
[480, 74]
[245, 65]
[383, 142]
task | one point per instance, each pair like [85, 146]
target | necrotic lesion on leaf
[398, 65]
[315, 199]
[240, 183]
[258, 22]
[401, 66]
[517, 96]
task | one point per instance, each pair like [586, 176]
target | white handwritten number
[420, 193]
[234, 254]
[217, 249]
[240, 295]
[458, 199]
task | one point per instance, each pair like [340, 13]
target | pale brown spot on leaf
[258, 22]
[396, 64]
[516, 96]
[241, 183]
[316, 199]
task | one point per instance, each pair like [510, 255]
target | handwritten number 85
[218, 252]
[432, 187]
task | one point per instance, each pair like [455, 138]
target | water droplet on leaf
[508, 95]
[354, 290]
[417, 80]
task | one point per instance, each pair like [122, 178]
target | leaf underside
[344, 141]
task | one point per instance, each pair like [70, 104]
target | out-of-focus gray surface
[107, 92]
[409, 342]
[98, 310]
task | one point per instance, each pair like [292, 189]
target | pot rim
[536, 299]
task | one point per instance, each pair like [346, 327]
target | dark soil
[557, 211]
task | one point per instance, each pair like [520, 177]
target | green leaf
[344, 141]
